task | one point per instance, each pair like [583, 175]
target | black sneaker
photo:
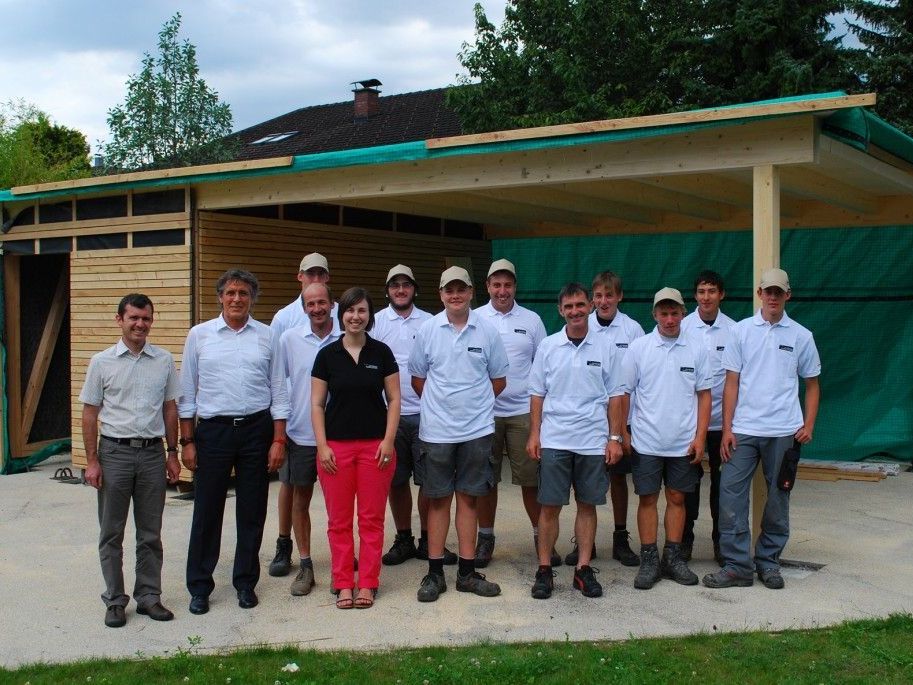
[621, 549]
[544, 584]
[485, 548]
[574, 555]
[771, 578]
[421, 552]
[403, 549]
[673, 566]
[282, 562]
[433, 586]
[585, 581]
[475, 582]
[724, 578]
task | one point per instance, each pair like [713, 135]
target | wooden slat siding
[98, 279]
[272, 249]
[152, 222]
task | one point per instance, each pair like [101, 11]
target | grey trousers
[137, 474]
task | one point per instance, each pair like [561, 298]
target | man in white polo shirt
[669, 378]
[396, 326]
[711, 326]
[521, 332]
[313, 268]
[298, 347]
[575, 430]
[458, 367]
[762, 418]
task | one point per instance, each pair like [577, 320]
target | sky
[72, 58]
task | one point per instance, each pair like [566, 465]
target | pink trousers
[357, 478]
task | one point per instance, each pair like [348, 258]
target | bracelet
[281, 441]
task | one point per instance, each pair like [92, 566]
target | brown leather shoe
[156, 612]
[115, 617]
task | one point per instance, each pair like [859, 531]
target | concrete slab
[51, 581]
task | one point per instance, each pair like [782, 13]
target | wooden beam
[862, 170]
[45, 351]
[811, 184]
[12, 299]
[816, 105]
[159, 174]
[722, 188]
[771, 141]
[407, 206]
[655, 197]
[551, 197]
[504, 207]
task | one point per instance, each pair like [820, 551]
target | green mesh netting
[852, 288]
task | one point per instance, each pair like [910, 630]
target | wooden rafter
[544, 197]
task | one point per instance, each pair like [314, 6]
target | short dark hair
[137, 300]
[238, 275]
[573, 288]
[710, 278]
[608, 279]
[350, 298]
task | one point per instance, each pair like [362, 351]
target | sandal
[366, 602]
[343, 602]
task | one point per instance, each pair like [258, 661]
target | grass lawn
[873, 651]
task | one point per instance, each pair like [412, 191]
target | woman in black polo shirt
[355, 429]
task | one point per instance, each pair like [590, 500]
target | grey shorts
[407, 447]
[650, 472]
[462, 467]
[511, 434]
[300, 466]
[560, 469]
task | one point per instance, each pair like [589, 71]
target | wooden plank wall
[98, 279]
[272, 249]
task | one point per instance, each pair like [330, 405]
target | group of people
[361, 400]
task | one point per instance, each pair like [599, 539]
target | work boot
[674, 567]
[477, 584]
[403, 549]
[303, 582]
[282, 562]
[649, 571]
[555, 559]
[684, 550]
[621, 549]
[724, 578]
[544, 584]
[485, 547]
[572, 557]
[433, 586]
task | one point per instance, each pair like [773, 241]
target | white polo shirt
[576, 382]
[398, 332]
[769, 360]
[621, 332]
[715, 338]
[293, 315]
[457, 401]
[521, 332]
[298, 347]
[663, 378]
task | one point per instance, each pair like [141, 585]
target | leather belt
[237, 420]
[133, 442]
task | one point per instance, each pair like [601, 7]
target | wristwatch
[616, 438]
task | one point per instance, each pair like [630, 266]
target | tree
[170, 117]
[558, 61]
[885, 30]
[34, 150]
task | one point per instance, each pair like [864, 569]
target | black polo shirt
[356, 409]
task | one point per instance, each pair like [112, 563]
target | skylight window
[273, 138]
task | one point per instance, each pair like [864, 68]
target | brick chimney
[366, 98]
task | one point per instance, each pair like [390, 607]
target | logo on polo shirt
[476, 350]
[374, 367]
[720, 348]
[521, 331]
[687, 369]
[594, 363]
[623, 346]
[786, 348]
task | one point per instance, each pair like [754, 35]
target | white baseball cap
[315, 260]
[668, 294]
[501, 265]
[775, 278]
[455, 273]
[400, 270]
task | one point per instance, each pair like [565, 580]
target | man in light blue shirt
[313, 268]
[577, 415]
[669, 378]
[521, 331]
[762, 418]
[233, 409]
[458, 367]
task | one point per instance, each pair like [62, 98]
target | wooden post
[766, 248]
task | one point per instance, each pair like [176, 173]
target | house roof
[400, 118]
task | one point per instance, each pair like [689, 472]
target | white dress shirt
[298, 347]
[398, 333]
